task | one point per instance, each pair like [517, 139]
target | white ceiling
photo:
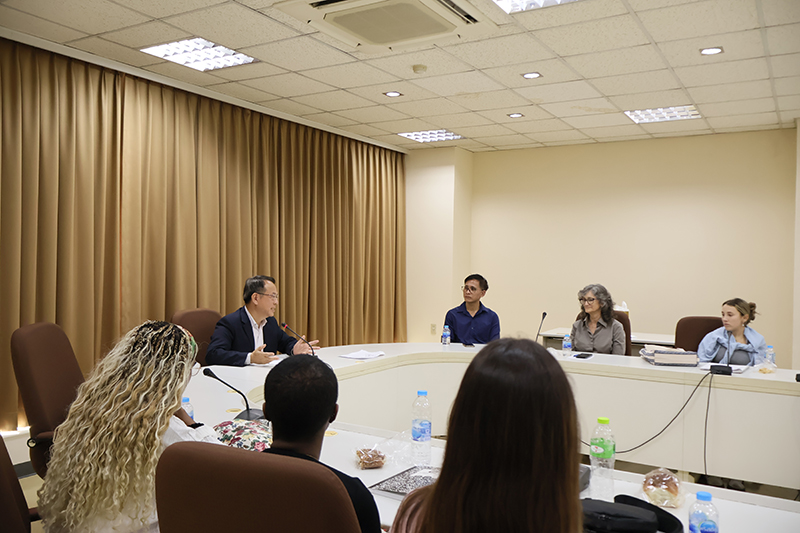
[597, 58]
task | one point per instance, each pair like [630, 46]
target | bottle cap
[447, 327]
[185, 399]
[566, 336]
[422, 393]
[704, 496]
[769, 346]
[602, 420]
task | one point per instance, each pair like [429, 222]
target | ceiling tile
[616, 62]
[426, 108]
[644, 5]
[299, 53]
[700, 18]
[580, 107]
[529, 112]
[786, 103]
[288, 85]
[790, 116]
[161, 9]
[642, 82]
[786, 65]
[375, 113]
[350, 75]
[731, 91]
[181, 73]
[760, 119]
[364, 129]
[90, 16]
[537, 19]
[705, 131]
[626, 138]
[673, 126]
[777, 12]
[652, 100]
[330, 119]
[232, 25]
[148, 34]
[334, 101]
[784, 39]
[284, 18]
[500, 51]
[436, 61]
[559, 92]
[258, 4]
[594, 36]
[533, 126]
[123, 54]
[404, 126]
[742, 107]
[489, 130]
[740, 45]
[557, 136]
[730, 72]
[515, 139]
[489, 100]
[787, 86]
[551, 70]
[626, 130]
[409, 91]
[333, 43]
[259, 69]
[458, 120]
[599, 121]
[26, 23]
[242, 91]
[461, 83]
[286, 105]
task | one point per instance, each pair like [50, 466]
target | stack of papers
[661, 356]
[362, 354]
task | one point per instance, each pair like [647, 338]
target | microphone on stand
[247, 414]
[544, 314]
[284, 325]
[724, 370]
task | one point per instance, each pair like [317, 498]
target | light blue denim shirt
[711, 343]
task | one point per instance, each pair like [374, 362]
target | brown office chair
[48, 377]
[200, 323]
[690, 330]
[15, 516]
[622, 318]
[291, 494]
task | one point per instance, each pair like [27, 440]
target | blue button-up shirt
[467, 329]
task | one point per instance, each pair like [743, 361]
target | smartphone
[582, 355]
[469, 345]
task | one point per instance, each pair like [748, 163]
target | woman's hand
[184, 416]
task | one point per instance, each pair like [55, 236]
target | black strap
[667, 522]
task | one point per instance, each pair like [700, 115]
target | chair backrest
[200, 323]
[291, 494]
[48, 377]
[690, 330]
[14, 515]
[623, 318]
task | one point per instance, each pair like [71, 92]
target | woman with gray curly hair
[596, 329]
[101, 475]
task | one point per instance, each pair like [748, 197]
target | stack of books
[662, 356]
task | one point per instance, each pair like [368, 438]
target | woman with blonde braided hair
[101, 474]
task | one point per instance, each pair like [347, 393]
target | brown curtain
[124, 200]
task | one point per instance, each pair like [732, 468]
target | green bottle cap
[602, 420]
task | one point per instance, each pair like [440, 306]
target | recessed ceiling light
[663, 114]
[515, 6]
[531, 75]
[516, 115]
[712, 51]
[199, 54]
[430, 136]
[392, 94]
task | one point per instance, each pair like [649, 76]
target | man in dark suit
[251, 334]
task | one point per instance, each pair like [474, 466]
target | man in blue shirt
[472, 322]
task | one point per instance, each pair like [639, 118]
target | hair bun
[752, 306]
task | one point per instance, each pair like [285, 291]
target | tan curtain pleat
[125, 200]
[59, 205]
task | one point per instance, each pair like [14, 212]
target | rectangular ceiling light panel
[663, 114]
[431, 136]
[515, 6]
[199, 54]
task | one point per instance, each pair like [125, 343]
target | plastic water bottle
[187, 406]
[703, 516]
[421, 429]
[446, 336]
[566, 344]
[770, 354]
[602, 452]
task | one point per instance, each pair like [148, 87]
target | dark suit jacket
[233, 339]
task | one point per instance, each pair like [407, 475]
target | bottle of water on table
[421, 429]
[187, 406]
[602, 451]
[566, 344]
[446, 336]
[703, 516]
[770, 354]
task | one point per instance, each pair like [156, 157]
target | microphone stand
[544, 314]
[284, 325]
[247, 414]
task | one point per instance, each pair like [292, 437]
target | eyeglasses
[587, 300]
[195, 369]
[274, 295]
[467, 288]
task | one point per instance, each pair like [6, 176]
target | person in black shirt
[300, 396]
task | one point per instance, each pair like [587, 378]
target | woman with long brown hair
[511, 461]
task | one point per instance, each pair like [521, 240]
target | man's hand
[302, 347]
[260, 357]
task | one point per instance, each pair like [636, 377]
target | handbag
[627, 515]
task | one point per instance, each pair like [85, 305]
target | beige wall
[672, 226]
